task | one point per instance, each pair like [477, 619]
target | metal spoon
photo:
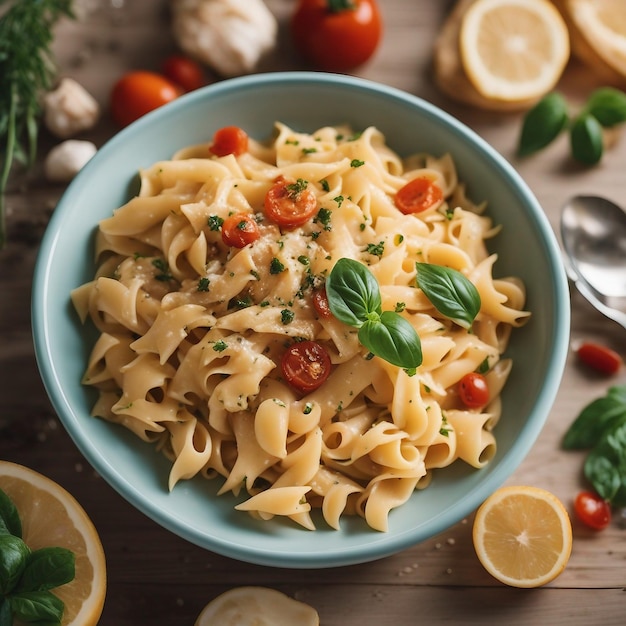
[593, 231]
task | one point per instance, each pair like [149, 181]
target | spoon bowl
[593, 231]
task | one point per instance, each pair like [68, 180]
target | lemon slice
[513, 49]
[51, 517]
[256, 606]
[523, 536]
[601, 24]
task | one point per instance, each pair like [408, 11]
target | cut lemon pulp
[523, 536]
[513, 49]
[256, 606]
[51, 517]
[602, 25]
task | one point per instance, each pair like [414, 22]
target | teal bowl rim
[381, 545]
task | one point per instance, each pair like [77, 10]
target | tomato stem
[337, 6]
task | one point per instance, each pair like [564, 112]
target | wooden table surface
[156, 577]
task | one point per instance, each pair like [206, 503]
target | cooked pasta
[193, 328]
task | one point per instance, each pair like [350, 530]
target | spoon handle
[613, 314]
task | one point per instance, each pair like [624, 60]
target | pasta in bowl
[315, 321]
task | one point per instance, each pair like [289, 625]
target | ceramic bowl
[526, 247]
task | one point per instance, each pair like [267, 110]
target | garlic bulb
[230, 36]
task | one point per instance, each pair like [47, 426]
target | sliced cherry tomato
[229, 140]
[473, 390]
[418, 195]
[239, 230]
[306, 365]
[184, 72]
[599, 357]
[320, 303]
[336, 35]
[138, 93]
[290, 204]
[592, 510]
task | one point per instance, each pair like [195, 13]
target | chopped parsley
[287, 316]
[203, 284]
[215, 222]
[356, 163]
[220, 346]
[323, 217]
[276, 267]
[295, 189]
[163, 269]
[376, 249]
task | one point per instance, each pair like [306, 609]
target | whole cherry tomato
[592, 510]
[600, 358]
[239, 230]
[138, 93]
[184, 72]
[473, 390]
[306, 365]
[290, 204]
[229, 140]
[418, 195]
[336, 35]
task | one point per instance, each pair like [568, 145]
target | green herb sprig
[26, 71]
[354, 299]
[601, 428]
[605, 108]
[26, 576]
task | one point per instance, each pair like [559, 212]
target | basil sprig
[354, 299]
[605, 108]
[450, 292]
[601, 428]
[26, 576]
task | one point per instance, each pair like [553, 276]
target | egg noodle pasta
[192, 331]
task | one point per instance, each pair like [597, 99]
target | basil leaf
[9, 517]
[542, 124]
[617, 393]
[47, 568]
[451, 293]
[6, 614]
[605, 466]
[586, 139]
[608, 106]
[392, 339]
[593, 421]
[37, 606]
[13, 555]
[353, 292]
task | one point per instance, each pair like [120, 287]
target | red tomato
[306, 365]
[290, 204]
[600, 358]
[138, 93]
[592, 510]
[418, 195]
[473, 390]
[229, 140]
[336, 35]
[320, 303]
[239, 230]
[184, 72]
